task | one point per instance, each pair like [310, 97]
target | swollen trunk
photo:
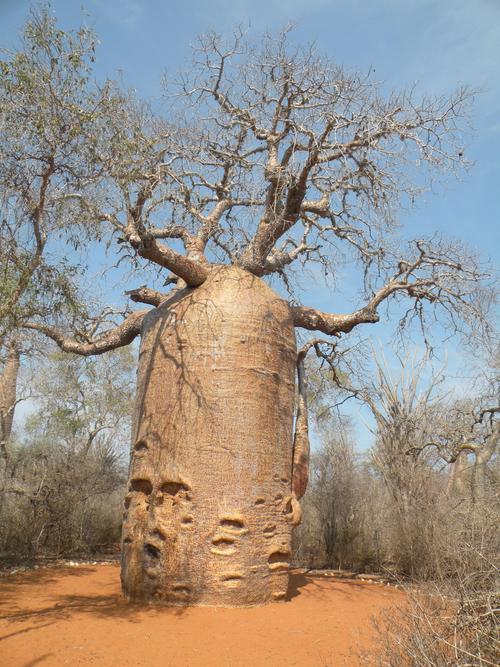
[210, 508]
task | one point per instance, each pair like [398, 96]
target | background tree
[334, 497]
[456, 521]
[439, 540]
[48, 112]
[273, 157]
[8, 395]
[412, 509]
[64, 486]
[405, 412]
[465, 430]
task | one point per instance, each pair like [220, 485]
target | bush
[61, 502]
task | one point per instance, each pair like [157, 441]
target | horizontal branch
[439, 277]
[120, 336]
[482, 450]
[146, 295]
[330, 323]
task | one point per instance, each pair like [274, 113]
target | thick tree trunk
[456, 480]
[210, 505]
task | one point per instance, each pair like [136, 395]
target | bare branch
[191, 271]
[146, 295]
[120, 336]
[443, 276]
[329, 323]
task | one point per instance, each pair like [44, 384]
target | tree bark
[301, 448]
[8, 394]
[210, 507]
[119, 336]
[483, 457]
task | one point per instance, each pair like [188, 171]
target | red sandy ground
[76, 616]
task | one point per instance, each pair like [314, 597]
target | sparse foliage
[62, 487]
[271, 158]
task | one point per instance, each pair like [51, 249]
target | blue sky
[435, 45]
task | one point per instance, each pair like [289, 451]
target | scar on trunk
[181, 589]
[279, 560]
[232, 579]
[223, 546]
[140, 447]
[176, 489]
[141, 486]
[151, 556]
[233, 524]
[270, 530]
[159, 534]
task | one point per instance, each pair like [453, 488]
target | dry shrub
[63, 478]
[440, 626]
[453, 621]
[60, 502]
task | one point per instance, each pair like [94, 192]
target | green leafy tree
[49, 110]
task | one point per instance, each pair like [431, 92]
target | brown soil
[77, 616]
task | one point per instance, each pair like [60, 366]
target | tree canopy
[269, 157]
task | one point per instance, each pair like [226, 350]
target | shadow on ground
[99, 604]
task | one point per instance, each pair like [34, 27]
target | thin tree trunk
[483, 457]
[8, 395]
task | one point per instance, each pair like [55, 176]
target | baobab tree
[469, 429]
[269, 158]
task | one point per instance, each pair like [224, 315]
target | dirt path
[76, 616]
